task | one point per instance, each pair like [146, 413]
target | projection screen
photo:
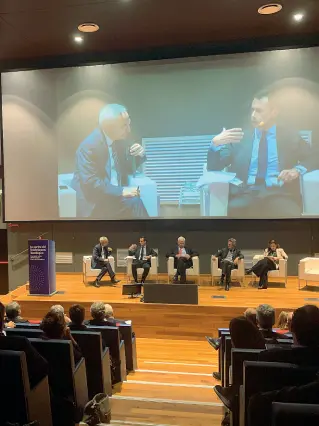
[232, 136]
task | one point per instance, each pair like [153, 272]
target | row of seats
[241, 369]
[73, 383]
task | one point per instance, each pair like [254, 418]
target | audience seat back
[15, 386]
[130, 346]
[294, 414]
[90, 343]
[29, 333]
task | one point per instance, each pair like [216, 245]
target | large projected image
[232, 136]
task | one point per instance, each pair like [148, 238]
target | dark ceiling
[45, 28]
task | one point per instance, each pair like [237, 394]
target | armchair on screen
[153, 269]
[190, 272]
[281, 272]
[236, 274]
[89, 273]
[66, 196]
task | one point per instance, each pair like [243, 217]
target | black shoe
[115, 281]
[183, 280]
[250, 271]
[262, 287]
[96, 284]
[142, 282]
[217, 375]
[225, 395]
[227, 287]
[215, 343]
[175, 279]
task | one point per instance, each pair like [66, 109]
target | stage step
[160, 411]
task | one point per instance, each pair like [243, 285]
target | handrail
[24, 251]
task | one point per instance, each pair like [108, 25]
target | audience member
[13, 313]
[251, 315]
[54, 327]
[77, 316]
[266, 321]
[37, 366]
[304, 352]
[60, 309]
[102, 314]
[244, 335]
[282, 326]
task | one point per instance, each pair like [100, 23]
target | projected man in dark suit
[143, 254]
[100, 260]
[182, 259]
[103, 162]
[268, 160]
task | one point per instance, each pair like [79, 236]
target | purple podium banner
[42, 267]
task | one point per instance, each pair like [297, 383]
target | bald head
[115, 122]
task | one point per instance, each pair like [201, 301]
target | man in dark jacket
[100, 260]
[142, 258]
[228, 259]
[182, 259]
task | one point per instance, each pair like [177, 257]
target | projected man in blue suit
[268, 160]
[103, 162]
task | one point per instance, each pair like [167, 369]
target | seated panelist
[272, 254]
[228, 258]
[100, 260]
[182, 259]
[142, 258]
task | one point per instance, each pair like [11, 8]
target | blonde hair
[108, 311]
[103, 239]
[283, 320]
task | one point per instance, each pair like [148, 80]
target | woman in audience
[270, 262]
[13, 313]
[54, 327]
[60, 309]
[282, 326]
[77, 315]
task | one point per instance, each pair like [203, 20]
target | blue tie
[262, 157]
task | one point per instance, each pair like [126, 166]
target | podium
[42, 268]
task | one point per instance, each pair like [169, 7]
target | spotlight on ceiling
[270, 9]
[88, 27]
[298, 17]
[78, 39]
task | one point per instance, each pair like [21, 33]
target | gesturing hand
[133, 247]
[228, 136]
[137, 150]
[129, 192]
[289, 175]
[236, 261]
[187, 256]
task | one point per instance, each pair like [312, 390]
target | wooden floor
[173, 384]
[216, 307]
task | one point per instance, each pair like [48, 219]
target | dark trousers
[261, 269]
[181, 266]
[120, 208]
[259, 202]
[105, 268]
[140, 264]
[227, 267]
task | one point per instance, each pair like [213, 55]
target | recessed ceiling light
[270, 9]
[88, 27]
[298, 17]
[78, 39]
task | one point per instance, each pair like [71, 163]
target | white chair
[308, 270]
[190, 272]
[281, 272]
[89, 272]
[66, 196]
[310, 193]
[153, 269]
[236, 274]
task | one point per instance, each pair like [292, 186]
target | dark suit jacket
[92, 181]
[175, 251]
[137, 253]
[76, 327]
[97, 260]
[222, 253]
[292, 150]
[298, 355]
[37, 366]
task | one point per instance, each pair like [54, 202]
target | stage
[215, 309]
